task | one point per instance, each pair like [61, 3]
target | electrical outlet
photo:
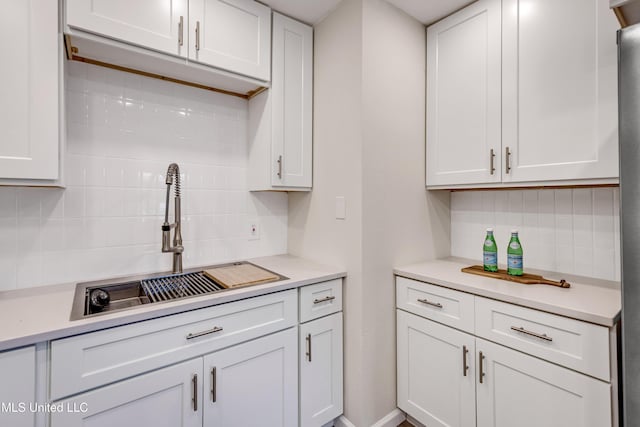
[254, 230]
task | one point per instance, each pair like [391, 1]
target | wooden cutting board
[525, 279]
[234, 276]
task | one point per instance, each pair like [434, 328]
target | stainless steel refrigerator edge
[629, 128]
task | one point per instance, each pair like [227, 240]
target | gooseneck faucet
[177, 248]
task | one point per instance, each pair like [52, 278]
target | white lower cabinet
[18, 389]
[250, 384]
[521, 390]
[168, 397]
[253, 384]
[321, 370]
[436, 371]
[447, 377]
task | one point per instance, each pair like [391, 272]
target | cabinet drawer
[87, 361]
[443, 305]
[320, 300]
[578, 345]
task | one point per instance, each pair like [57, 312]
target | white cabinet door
[29, 98]
[234, 35]
[520, 390]
[321, 370]
[167, 397]
[280, 119]
[463, 96]
[18, 390]
[159, 25]
[559, 90]
[254, 384]
[435, 385]
[291, 93]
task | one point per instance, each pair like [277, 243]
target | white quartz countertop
[40, 314]
[590, 300]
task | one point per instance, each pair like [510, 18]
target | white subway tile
[123, 130]
[567, 230]
[8, 202]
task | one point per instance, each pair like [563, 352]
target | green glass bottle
[514, 255]
[490, 252]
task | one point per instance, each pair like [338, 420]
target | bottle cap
[514, 230]
[489, 230]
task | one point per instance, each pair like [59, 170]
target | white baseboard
[343, 422]
[392, 419]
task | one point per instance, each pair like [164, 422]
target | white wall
[402, 222]
[574, 231]
[369, 106]
[123, 131]
[337, 171]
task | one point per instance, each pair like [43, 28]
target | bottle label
[490, 258]
[488, 242]
[514, 245]
[514, 261]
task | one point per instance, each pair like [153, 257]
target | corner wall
[369, 146]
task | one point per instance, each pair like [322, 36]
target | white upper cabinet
[463, 96]
[220, 44]
[29, 91]
[559, 90]
[154, 24]
[280, 119]
[522, 93]
[231, 34]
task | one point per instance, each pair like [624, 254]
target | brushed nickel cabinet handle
[507, 159]
[480, 367]
[465, 367]
[203, 333]
[426, 301]
[194, 382]
[197, 35]
[308, 347]
[181, 31]
[279, 167]
[533, 334]
[325, 299]
[213, 384]
[492, 158]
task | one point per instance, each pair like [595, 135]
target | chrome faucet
[177, 248]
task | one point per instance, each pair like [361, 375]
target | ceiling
[313, 11]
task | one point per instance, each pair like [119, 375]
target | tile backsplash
[123, 130]
[574, 231]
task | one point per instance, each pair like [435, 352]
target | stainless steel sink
[105, 296]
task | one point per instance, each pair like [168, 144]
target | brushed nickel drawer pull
[213, 384]
[197, 35]
[279, 167]
[309, 347]
[181, 31]
[194, 381]
[325, 299]
[465, 367]
[507, 155]
[426, 301]
[492, 158]
[203, 333]
[481, 367]
[533, 334]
